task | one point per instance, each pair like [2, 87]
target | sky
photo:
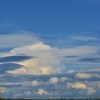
[49, 48]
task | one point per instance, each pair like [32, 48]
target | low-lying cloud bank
[64, 85]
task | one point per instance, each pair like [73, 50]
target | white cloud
[85, 50]
[10, 83]
[26, 70]
[77, 85]
[46, 60]
[53, 80]
[92, 70]
[17, 95]
[26, 84]
[35, 83]
[84, 38]
[62, 79]
[43, 60]
[83, 76]
[17, 40]
[95, 75]
[99, 85]
[28, 49]
[3, 90]
[41, 91]
[17, 71]
[27, 93]
[94, 84]
[90, 90]
[71, 71]
[50, 52]
[82, 86]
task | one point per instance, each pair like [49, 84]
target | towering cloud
[40, 58]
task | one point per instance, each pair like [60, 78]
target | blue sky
[50, 44]
[51, 17]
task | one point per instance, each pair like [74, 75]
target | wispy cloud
[6, 24]
[94, 60]
[16, 40]
[84, 38]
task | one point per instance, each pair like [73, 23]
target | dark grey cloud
[94, 60]
[71, 56]
[14, 58]
[8, 66]
[98, 52]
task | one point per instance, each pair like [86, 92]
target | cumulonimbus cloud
[46, 59]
